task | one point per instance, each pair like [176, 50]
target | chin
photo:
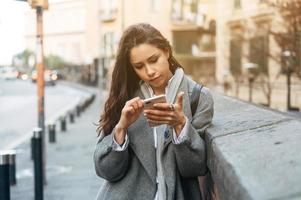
[158, 85]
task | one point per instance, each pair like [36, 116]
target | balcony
[108, 10]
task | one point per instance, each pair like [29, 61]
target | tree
[259, 54]
[288, 38]
[55, 62]
[22, 59]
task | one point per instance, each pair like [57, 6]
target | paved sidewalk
[69, 167]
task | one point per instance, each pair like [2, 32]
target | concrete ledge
[254, 153]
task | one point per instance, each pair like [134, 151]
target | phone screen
[148, 103]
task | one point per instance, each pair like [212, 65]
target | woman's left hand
[171, 114]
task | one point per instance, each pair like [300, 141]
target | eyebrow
[149, 58]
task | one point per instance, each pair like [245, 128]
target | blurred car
[49, 77]
[59, 74]
[8, 73]
[24, 77]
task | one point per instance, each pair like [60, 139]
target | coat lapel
[186, 109]
[141, 135]
[142, 142]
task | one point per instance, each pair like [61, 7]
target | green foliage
[22, 58]
[55, 62]
[51, 61]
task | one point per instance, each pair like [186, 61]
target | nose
[150, 70]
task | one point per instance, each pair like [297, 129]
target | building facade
[249, 56]
[71, 30]
[189, 25]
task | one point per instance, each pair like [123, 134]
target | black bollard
[31, 144]
[71, 115]
[78, 111]
[90, 100]
[87, 103]
[82, 107]
[63, 124]
[38, 164]
[4, 176]
[12, 167]
[51, 132]
[93, 98]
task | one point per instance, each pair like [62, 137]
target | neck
[159, 91]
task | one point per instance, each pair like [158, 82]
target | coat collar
[173, 86]
[186, 109]
[141, 135]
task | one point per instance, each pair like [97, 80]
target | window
[193, 42]
[184, 10]
[235, 57]
[155, 4]
[258, 53]
[184, 40]
[108, 9]
[108, 42]
[108, 49]
[237, 4]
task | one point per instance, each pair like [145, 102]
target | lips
[154, 79]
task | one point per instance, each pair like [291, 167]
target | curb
[83, 103]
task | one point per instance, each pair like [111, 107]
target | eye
[153, 60]
[138, 66]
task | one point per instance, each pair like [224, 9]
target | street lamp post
[251, 67]
[40, 5]
[288, 59]
[41, 82]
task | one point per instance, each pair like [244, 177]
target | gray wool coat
[131, 174]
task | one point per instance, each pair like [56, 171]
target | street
[18, 108]
[66, 177]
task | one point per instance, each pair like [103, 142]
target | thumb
[180, 97]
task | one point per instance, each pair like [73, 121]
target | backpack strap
[207, 185]
[194, 98]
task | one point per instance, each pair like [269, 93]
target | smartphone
[149, 103]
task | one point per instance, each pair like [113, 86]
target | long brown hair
[125, 81]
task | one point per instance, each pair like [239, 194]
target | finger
[140, 104]
[159, 113]
[129, 110]
[179, 100]
[135, 105]
[129, 102]
[159, 118]
[157, 122]
[133, 108]
[162, 106]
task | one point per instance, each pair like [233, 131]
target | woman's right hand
[129, 114]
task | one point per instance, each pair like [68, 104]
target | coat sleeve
[110, 164]
[191, 152]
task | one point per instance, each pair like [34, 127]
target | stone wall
[254, 152]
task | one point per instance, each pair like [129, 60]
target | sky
[12, 29]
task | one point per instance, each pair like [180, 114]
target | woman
[136, 160]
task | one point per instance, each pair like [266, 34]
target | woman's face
[151, 65]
